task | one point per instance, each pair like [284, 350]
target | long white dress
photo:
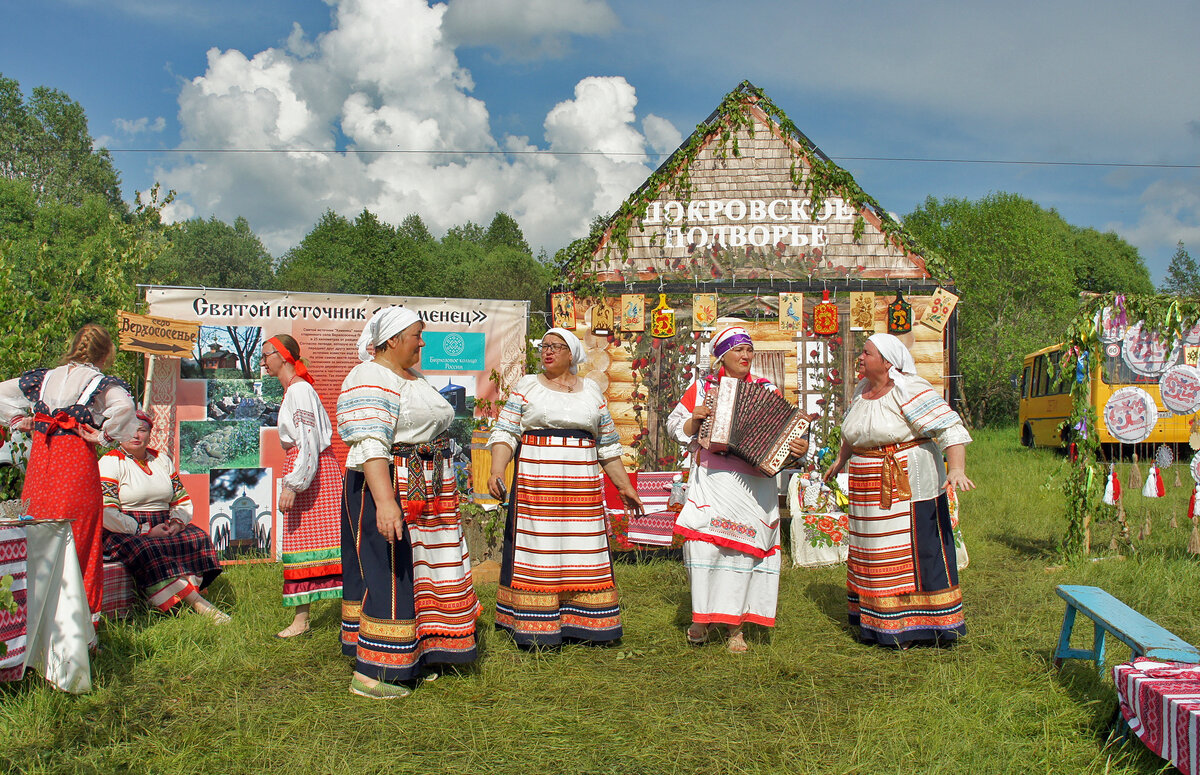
[731, 523]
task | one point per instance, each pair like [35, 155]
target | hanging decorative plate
[1130, 415]
[1195, 466]
[662, 319]
[1179, 387]
[1146, 352]
[825, 316]
[1191, 337]
[899, 315]
[1108, 328]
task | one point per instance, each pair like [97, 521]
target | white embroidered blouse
[303, 424]
[129, 485]
[378, 408]
[533, 406]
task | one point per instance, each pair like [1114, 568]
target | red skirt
[62, 481]
[312, 534]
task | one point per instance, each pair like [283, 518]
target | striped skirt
[410, 603]
[167, 568]
[902, 573]
[556, 576]
[62, 481]
[312, 541]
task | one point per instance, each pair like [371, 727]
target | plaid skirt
[152, 560]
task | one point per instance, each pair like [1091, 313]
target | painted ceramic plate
[1180, 388]
[1146, 352]
[1130, 415]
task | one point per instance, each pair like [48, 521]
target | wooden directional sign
[157, 336]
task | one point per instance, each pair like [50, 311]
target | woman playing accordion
[731, 518]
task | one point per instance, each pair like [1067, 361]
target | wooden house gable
[747, 197]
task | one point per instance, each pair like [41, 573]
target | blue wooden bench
[1110, 615]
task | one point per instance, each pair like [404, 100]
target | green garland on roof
[823, 179]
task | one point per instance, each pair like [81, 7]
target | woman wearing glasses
[556, 577]
[312, 485]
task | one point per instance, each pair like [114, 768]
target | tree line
[72, 251]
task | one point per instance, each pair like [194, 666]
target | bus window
[1025, 383]
[1117, 372]
[1042, 386]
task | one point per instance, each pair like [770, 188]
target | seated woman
[146, 516]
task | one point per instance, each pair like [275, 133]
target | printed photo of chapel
[240, 516]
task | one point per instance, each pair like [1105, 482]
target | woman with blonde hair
[70, 409]
[310, 498]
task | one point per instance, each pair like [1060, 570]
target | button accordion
[751, 421]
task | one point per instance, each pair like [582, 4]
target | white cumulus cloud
[526, 29]
[377, 114]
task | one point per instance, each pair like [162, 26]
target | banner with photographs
[216, 411]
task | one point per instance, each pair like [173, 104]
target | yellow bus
[1045, 405]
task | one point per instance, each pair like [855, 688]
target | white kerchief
[382, 326]
[895, 353]
[578, 354]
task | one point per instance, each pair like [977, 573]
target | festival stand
[54, 621]
[13, 550]
[1160, 701]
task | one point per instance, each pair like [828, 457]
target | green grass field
[176, 695]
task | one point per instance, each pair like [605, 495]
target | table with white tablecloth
[57, 623]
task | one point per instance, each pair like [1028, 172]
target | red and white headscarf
[297, 364]
[731, 337]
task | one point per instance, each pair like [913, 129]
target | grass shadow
[1045, 549]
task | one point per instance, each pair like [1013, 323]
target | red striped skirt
[311, 537]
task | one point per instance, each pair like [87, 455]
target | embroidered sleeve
[683, 412]
[110, 489]
[181, 502]
[608, 441]
[929, 415]
[507, 429]
[366, 417]
[308, 444]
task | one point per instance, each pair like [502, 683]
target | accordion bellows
[752, 422]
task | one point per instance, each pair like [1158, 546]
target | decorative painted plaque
[704, 309]
[1191, 337]
[791, 311]
[662, 319]
[563, 305]
[862, 311]
[937, 314]
[602, 317]
[1146, 352]
[1108, 327]
[1179, 387]
[633, 312]
[899, 315]
[1130, 415]
[825, 316]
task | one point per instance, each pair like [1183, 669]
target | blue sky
[1076, 82]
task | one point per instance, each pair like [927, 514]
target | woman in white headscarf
[407, 599]
[556, 577]
[902, 575]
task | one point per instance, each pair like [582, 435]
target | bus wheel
[1027, 436]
